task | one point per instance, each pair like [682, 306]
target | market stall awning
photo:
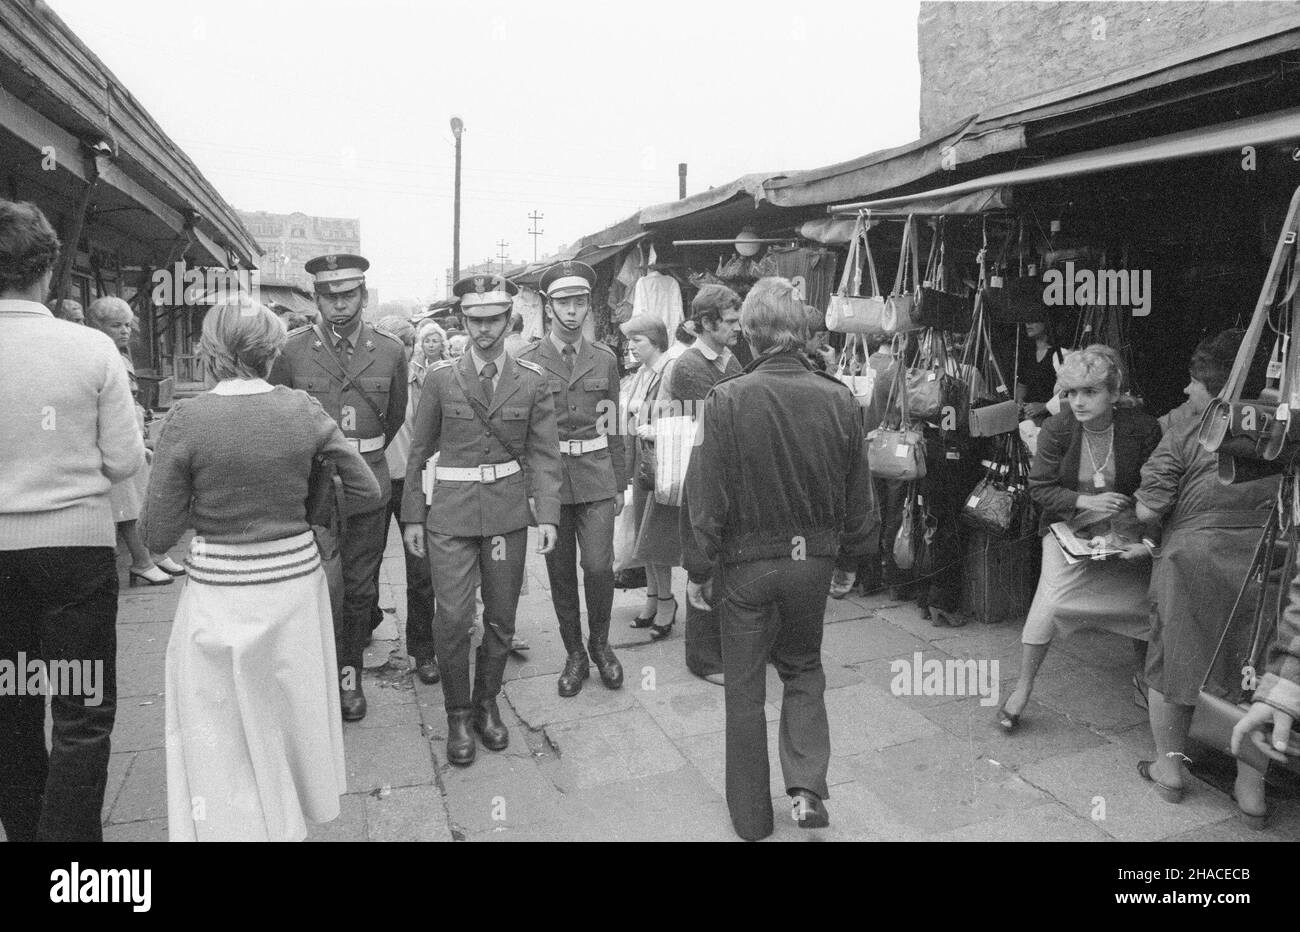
[1280, 126]
[750, 186]
[887, 169]
[287, 295]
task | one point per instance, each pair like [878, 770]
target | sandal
[642, 621]
[1170, 794]
[1254, 821]
[659, 632]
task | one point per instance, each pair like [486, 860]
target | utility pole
[681, 180]
[457, 127]
[501, 254]
[535, 217]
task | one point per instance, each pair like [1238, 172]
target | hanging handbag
[936, 306]
[998, 503]
[897, 452]
[905, 539]
[849, 311]
[855, 373]
[1262, 429]
[1000, 416]
[900, 310]
[1229, 685]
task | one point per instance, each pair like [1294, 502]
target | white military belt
[490, 473]
[366, 444]
[579, 447]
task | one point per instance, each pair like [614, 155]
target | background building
[289, 240]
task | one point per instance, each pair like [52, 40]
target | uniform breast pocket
[377, 388]
[555, 385]
[460, 412]
[516, 421]
[595, 385]
[317, 386]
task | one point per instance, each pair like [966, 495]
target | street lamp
[457, 127]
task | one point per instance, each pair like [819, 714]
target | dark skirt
[1194, 585]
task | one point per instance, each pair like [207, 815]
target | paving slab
[1103, 781]
[1038, 823]
[708, 754]
[151, 830]
[864, 718]
[868, 639]
[140, 724]
[500, 790]
[857, 811]
[1042, 734]
[144, 791]
[610, 748]
[938, 784]
[394, 756]
[692, 708]
[538, 703]
[408, 813]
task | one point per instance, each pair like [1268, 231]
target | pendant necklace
[1098, 472]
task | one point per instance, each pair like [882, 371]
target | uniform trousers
[57, 603]
[361, 549]
[457, 565]
[773, 608]
[419, 587]
[587, 527]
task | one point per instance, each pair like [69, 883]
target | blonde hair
[101, 308]
[426, 324]
[1097, 365]
[773, 317]
[241, 339]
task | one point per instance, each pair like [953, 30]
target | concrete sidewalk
[647, 763]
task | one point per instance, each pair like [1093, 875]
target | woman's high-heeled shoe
[170, 566]
[150, 577]
[1170, 794]
[659, 632]
[642, 621]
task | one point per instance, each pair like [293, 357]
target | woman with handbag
[1192, 598]
[254, 735]
[1087, 466]
[657, 546]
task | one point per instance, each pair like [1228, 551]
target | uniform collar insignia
[316, 345]
[370, 344]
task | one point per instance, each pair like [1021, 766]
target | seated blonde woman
[1087, 467]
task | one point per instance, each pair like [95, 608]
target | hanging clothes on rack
[815, 266]
[660, 296]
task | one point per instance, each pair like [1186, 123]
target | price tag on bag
[902, 450]
[995, 281]
[972, 501]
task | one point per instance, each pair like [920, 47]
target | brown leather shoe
[575, 671]
[611, 671]
[488, 724]
[460, 743]
[353, 702]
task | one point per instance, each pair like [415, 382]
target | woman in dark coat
[1085, 471]
[1192, 595]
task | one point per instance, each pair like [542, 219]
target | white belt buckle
[487, 474]
[575, 447]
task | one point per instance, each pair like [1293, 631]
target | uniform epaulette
[601, 344]
[303, 329]
[529, 365]
[396, 339]
[442, 364]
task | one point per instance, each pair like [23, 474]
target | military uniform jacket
[521, 411]
[377, 366]
[586, 406]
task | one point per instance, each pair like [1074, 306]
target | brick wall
[975, 55]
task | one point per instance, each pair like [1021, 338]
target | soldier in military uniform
[583, 380]
[359, 375]
[491, 419]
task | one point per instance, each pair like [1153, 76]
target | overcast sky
[580, 111]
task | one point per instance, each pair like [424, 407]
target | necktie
[569, 354]
[342, 348]
[485, 376]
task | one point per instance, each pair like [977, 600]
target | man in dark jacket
[777, 486]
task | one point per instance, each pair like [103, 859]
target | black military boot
[575, 671]
[460, 742]
[353, 702]
[488, 724]
[611, 671]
